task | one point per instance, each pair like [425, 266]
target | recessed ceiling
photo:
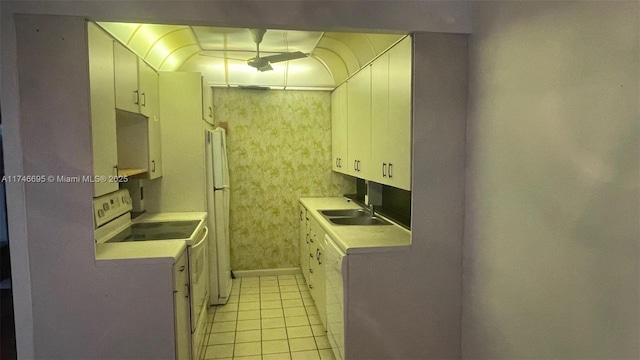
[221, 54]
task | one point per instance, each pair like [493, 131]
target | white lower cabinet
[304, 241]
[181, 308]
[317, 269]
[312, 260]
[334, 296]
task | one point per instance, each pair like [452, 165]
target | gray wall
[551, 248]
[551, 235]
[80, 308]
[33, 316]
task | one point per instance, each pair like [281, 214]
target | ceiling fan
[264, 63]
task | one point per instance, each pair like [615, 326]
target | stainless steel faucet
[371, 210]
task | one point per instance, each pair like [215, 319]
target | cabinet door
[320, 278]
[380, 146]
[304, 242]
[155, 148]
[103, 112]
[311, 250]
[149, 106]
[339, 129]
[359, 123]
[207, 102]
[181, 308]
[148, 89]
[126, 78]
[399, 129]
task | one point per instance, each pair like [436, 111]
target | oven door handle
[205, 230]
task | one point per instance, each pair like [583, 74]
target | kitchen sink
[344, 212]
[359, 220]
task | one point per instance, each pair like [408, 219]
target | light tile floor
[267, 318]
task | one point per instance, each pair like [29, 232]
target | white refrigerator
[218, 191]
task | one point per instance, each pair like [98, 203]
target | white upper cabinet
[391, 116]
[147, 89]
[134, 133]
[136, 83]
[103, 112]
[359, 124]
[339, 129]
[399, 124]
[378, 120]
[207, 102]
[150, 107]
[126, 78]
[380, 117]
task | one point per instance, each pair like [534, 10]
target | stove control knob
[105, 206]
[100, 213]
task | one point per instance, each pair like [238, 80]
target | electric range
[113, 227]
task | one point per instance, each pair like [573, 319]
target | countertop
[142, 252]
[355, 239]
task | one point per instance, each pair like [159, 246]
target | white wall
[552, 250]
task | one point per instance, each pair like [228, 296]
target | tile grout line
[284, 319]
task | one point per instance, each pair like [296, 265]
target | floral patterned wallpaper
[279, 149]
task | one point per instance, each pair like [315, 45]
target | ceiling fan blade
[265, 68]
[285, 56]
[222, 57]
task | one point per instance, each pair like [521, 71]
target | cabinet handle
[311, 271]
[358, 165]
[355, 165]
[210, 112]
[319, 257]
[144, 99]
[115, 168]
[182, 268]
[384, 169]
[136, 96]
[311, 239]
[390, 168]
[337, 163]
[310, 286]
[300, 215]
[307, 238]
[153, 166]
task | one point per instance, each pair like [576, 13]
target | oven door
[198, 275]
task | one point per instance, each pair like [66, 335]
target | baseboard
[266, 272]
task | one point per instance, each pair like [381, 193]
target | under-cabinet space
[138, 144]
